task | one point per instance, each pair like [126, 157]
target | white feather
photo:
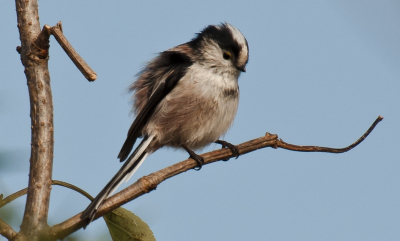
[132, 161]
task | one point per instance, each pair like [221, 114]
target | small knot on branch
[147, 186]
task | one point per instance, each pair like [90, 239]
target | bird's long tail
[124, 174]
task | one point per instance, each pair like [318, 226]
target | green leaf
[124, 225]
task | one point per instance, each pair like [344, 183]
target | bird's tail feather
[125, 173]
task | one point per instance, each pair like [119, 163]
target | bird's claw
[199, 160]
[233, 148]
[194, 156]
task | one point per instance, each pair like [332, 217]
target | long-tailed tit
[186, 97]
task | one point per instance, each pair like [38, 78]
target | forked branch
[34, 51]
[42, 45]
[150, 182]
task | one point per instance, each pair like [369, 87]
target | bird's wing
[170, 66]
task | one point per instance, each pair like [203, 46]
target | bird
[186, 96]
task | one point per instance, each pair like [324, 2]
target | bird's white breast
[198, 110]
[220, 89]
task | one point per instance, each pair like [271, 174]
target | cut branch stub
[42, 42]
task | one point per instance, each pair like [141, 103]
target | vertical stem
[41, 111]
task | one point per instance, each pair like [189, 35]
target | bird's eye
[226, 55]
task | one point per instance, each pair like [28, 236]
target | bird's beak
[241, 68]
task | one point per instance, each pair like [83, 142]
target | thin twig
[12, 197]
[292, 147]
[73, 55]
[22, 192]
[148, 183]
[72, 187]
[6, 230]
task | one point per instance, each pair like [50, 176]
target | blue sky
[320, 72]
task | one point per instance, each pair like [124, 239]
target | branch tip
[59, 25]
[292, 147]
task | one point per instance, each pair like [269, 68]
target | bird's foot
[194, 156]
[233, 148]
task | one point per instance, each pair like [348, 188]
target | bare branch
[6, 230]
[35, 60]
[148, 183]
[73, 55]
[292, 147]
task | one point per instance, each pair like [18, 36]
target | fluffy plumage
[186, 96]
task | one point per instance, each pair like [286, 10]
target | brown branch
[73, 55]
[6, 230]
[148, 183]
[35, 61]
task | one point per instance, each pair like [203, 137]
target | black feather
[221, 34]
